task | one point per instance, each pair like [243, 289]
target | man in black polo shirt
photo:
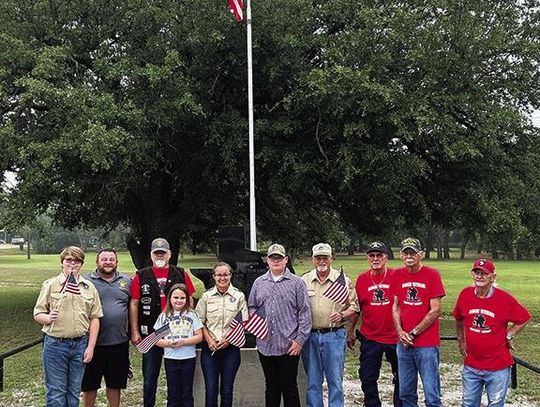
[148, 298]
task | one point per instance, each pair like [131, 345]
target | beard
[107, 270]
[160, 263]
[322, 269]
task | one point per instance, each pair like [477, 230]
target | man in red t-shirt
[418, 291]
[487, 319]
[148, 298]
[377, 334]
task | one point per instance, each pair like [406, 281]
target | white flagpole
[252, 224]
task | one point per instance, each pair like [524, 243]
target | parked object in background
[17, 240]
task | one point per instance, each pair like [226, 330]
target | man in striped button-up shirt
[283, 298]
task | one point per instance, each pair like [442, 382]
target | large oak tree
[370, 115]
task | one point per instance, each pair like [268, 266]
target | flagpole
[252, 223]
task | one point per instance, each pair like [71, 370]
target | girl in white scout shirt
[179, 346]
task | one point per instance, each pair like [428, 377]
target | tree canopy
[370, 116]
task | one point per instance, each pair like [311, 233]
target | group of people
[89, 321]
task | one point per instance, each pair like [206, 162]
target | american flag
[236, 8]
[71, 285]
[257, 324]
[146, 344]
[236, 335]
[338, 290]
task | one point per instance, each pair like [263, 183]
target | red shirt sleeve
[438, 289]
[518, 313]
[457, 308]
[135, 288]
[189, 284]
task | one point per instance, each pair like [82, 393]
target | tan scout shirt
[322, 307]
[74, 311]
[216, 310]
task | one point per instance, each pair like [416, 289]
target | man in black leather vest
[148, 298]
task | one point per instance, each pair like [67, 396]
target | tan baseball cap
[276, 249]
[322, 249]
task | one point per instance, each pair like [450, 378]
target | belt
[326, 330]
[75, 339]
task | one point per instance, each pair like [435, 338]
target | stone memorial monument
[247, 265]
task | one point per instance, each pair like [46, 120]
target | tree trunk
[154, 215]
[462, 248]
[429, 242]
[390, 252]
[350, 248]
[445, 245]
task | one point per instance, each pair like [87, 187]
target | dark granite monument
[247, 264]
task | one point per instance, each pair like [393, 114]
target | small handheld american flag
[338, 290]
[146, 344]
[71, 285]
[236, 335]
[257, 324]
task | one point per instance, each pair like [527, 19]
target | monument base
[249, 383]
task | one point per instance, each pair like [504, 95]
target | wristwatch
[413, 334]
[509, 336]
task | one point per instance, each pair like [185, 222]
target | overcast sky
[536, 118]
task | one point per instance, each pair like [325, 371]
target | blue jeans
[424, 361]
[63, 368]
[371, 354]
[323, 355]
[496, 382]
[151, 365]
[180, 375]
[219, 371]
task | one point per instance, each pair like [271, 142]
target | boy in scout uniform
[69, 309]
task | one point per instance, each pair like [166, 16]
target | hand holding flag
[146, 344]
[338, 290]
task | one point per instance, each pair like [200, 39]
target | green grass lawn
[20, 281]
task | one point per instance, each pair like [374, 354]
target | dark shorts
[111, 362]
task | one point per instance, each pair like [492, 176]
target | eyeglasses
[71, 260]
[221, 275]
[276, 259]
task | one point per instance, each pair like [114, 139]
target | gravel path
[451, 390]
